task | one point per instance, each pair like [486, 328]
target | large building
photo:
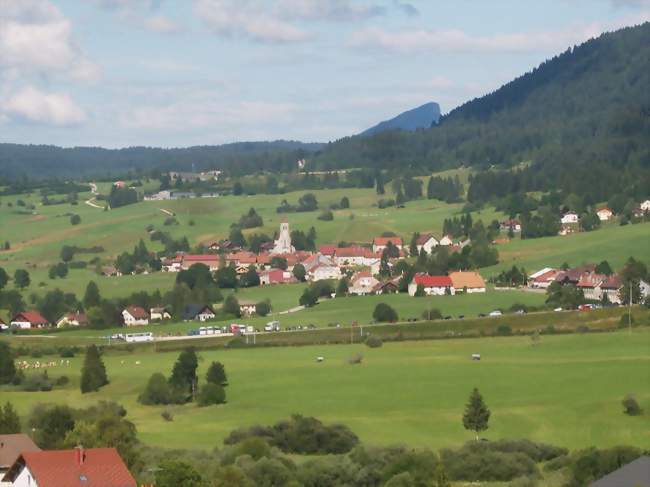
[283, 244]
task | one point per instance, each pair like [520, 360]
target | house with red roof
[11, 446]
[243, 258]
[210, 260]
[28, 320]
[380, 243]
[446, 241]
[94, 467]
[356, 256]
[543, 278]
[329, 250]
[433, 285]
[135, 316]
[276, 276]
[322, 272]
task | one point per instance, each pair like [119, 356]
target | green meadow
[566, 390]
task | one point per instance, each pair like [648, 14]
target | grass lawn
[566, 391]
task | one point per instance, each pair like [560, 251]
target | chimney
[79, 455]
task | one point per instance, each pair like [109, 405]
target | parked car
[496, 312]
[461, 317]
[481, 315]
[557, 309]
[521, 312]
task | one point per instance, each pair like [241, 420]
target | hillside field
[37, 238]
[567, 390]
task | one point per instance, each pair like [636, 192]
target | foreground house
[634, 474]
[135, 316]
[11, 446]
[198, 312]
[276, 276]
[432, 285]
[28, 320]
[247, 308]
[466, 281]
[95, 467]
[322, 272]
[72, 319]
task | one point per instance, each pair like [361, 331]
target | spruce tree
[9, 420]
[183, 376]
[93, 373]
[216, 374]
[7, 366]
[477, 414]
[92, 296]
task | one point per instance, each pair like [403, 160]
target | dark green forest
[578, 123]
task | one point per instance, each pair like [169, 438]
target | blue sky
[118, 73]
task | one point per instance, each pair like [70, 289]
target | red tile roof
[422, 239]
[201, 257]
[137, 312]
[432, 281]
[327, 249]
[101, 467]
[33, 317]
[385, 240]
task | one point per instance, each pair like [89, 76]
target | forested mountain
[580, 120]
[423, 117]
[46, 161]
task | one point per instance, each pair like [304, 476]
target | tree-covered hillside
[46, 161]
[581, 118]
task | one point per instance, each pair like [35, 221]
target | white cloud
[48, 108]
[36, 38]
[162, 25]
[457, 40]
[281, 21]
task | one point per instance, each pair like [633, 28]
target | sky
[175, 73]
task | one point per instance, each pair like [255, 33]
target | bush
[157, 391]
[300, 435]
[631, 406]
[210, 394]
[374, 342]
[357, 358]
[383, 313]
[75, 220]
[432, 314]
[62, 381]
[167, 416]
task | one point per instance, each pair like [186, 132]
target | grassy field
[566, 390]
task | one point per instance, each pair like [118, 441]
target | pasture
[566, 390]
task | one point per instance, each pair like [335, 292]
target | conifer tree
[477, 414]
[9, 420]
[216, 374]
[93, 373]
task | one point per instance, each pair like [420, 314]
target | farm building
[28, 320]
[159, 314]
[427, 242]
[433, 285]
[363, 283]
[470, 282]
[604, 214]
[11, 446]
[247, 308]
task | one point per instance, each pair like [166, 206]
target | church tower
[283, 244]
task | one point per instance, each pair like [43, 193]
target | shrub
[62, 381]
[357, 358]
[383, 313]
[210, 394]
[631, 406]
[432, 314]
[75, 220]
[167, 415]
[374, 342]
[157, 391]
[326, 216]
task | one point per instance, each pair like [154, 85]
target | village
[359, 266]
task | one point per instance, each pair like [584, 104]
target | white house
[427, 242]
[247, 308]
[28, 320]
[197, 312]
[569, 217]
[135, 316]
[604, 214]
[72, 319]
[323, 272]
[446, 241]
[433, 285]
[362, 284]
[380, 243]
[645, 206]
